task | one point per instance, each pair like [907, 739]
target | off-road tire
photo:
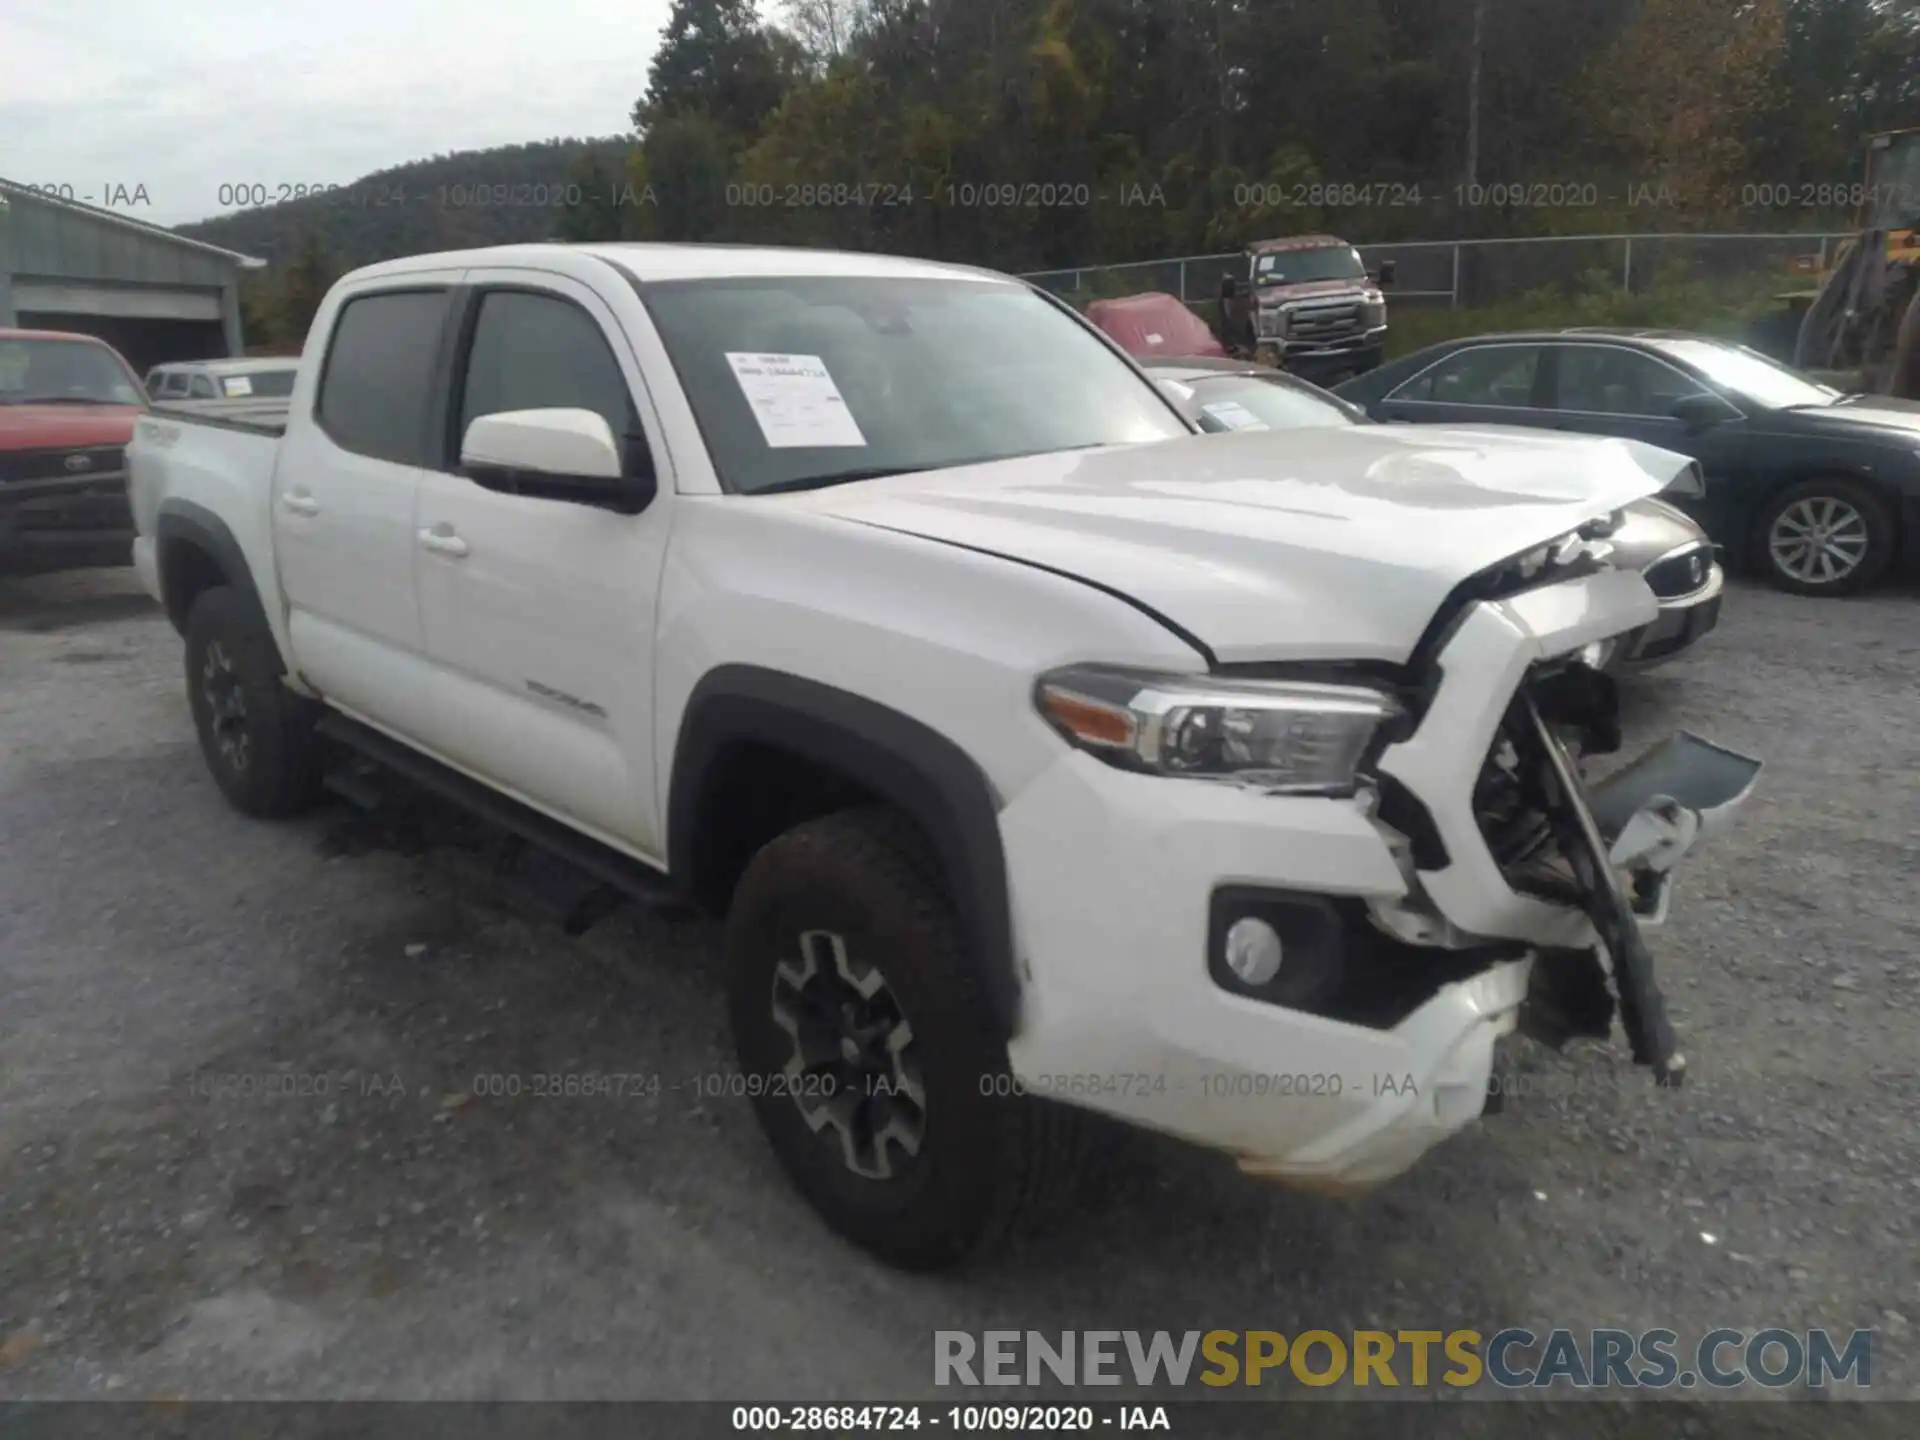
[990, 1162]
[1880, 529]
[276, 771]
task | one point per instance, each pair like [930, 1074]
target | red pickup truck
[67, 407]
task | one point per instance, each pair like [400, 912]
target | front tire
[1825, 537]
[869, 1050]
[255, 734]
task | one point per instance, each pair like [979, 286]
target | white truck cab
[1042, 755]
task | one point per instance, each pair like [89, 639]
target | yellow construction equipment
[1860, 322]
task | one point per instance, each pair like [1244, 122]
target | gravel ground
[397, 1237]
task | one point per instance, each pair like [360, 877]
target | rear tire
[917, 1151]
[256, 735]
[1832, 536]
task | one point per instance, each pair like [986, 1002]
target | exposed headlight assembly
[1289, 738]
[1588, 542]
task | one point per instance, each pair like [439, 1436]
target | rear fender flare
[184, 522]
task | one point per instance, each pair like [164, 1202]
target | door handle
[443, 542]
[300, 504]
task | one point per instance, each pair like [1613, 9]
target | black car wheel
[869, 1053]
[1825, 537]
[256, 735]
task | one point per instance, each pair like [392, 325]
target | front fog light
[1253, 950]
[1596, 655]
[1276, 947]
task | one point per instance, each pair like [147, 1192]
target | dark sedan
[1816, 490]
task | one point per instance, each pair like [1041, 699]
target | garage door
[145, 343]
[60, 297]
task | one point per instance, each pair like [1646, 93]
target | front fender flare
[903, 761]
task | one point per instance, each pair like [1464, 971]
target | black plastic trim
[1371, 981]
[893, 756]
[637, 881]
[184, 522]
[160, 411]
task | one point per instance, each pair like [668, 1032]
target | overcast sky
[183, 96]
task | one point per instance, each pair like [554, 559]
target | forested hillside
[1029, 134]
[476, 197]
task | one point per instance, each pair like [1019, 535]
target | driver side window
[1500, 375]
[1611, 380]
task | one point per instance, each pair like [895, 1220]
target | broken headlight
[1287, 737]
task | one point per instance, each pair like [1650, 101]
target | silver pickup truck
[237, 389]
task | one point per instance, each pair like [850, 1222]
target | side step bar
[634, 881]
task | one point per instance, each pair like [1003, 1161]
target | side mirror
[558, 454]
[1387, 269]
[1689, 484]
[1229, 287]
[1701, 412]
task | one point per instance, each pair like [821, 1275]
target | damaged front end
[1521, 846]
[1608, 849]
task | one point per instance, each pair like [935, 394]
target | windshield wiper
[839, 477]
[66, 400]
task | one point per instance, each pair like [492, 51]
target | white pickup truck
[1041, 755]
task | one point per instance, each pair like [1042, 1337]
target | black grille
[1326, 322]
[1681, 574]
[83, 463]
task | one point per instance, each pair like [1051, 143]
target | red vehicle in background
[1155, 326]
[67, 407]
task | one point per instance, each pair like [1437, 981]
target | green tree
[1678, 94]
[304, 285]
[598, 214]
[717, 59]
[688, 163]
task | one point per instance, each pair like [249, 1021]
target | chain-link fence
[1468, 273]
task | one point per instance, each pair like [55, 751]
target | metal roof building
[151, 294]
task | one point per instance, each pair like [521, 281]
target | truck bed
[265, 416]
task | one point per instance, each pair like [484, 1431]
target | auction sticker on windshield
[795, 400]
[1234, 415]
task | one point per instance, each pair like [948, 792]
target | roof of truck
[692, 262]
[1298, 242]
[251, 366]
[16, 332]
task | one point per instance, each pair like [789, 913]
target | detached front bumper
[1121, 879]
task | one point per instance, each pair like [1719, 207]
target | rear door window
[378, 381]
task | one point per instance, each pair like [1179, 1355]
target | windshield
[1259, 402]
[802, 381]
[1749, 374]
[64, 372]
[1296, 267]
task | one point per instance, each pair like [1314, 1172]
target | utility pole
[1473, 92]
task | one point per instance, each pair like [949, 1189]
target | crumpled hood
[1334, 543]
